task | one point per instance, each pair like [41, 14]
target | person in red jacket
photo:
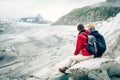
[81, 52]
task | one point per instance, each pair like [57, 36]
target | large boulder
[92, 69]
[85, 67]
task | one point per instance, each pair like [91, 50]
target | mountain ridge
[34, 19]
[97, 12]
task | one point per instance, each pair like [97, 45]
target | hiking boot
[63, 69]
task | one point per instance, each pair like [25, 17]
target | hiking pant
[72, 60]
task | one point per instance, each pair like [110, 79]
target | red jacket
[80, 44]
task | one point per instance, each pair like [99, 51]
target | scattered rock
[98, 74]
[4, 78]
[2, 53]
[117, 59]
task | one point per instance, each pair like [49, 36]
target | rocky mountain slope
[98, 12]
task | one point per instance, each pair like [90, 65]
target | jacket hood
[95, 33]
[87, 32]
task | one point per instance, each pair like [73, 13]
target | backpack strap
[86, 35]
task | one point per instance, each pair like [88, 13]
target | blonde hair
[91, 26]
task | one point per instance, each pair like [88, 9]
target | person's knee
[70, 58]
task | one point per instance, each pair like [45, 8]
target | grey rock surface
[98, 74]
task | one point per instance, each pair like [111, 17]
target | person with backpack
[100, 43]
[80, 52]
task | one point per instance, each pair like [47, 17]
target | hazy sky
[49, 9]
